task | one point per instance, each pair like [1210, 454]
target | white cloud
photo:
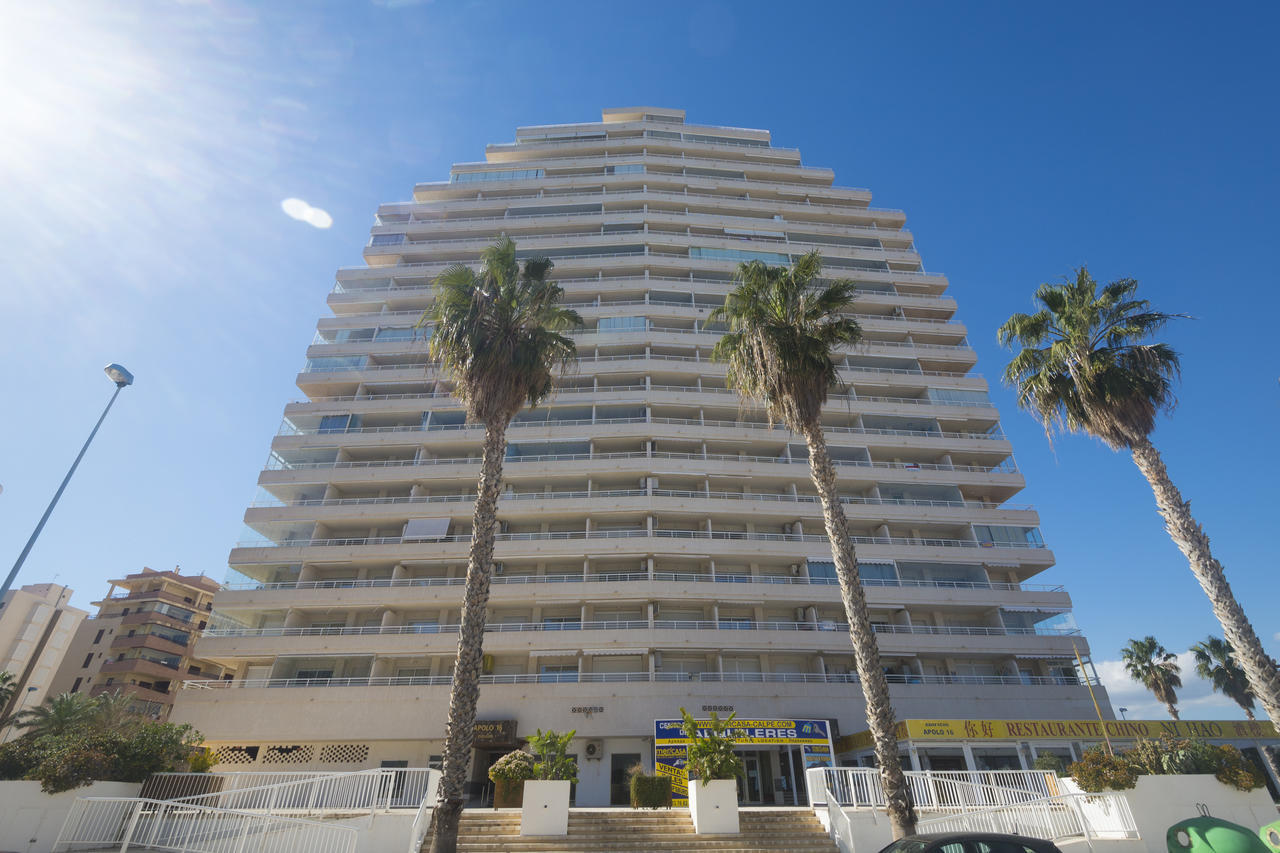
[1196, 699]
[303, 212]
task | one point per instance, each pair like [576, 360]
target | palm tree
[1216, 664]
[1156, 668]
[8, 686]
[114, 711]
[57, 715]
[1085, 367]
[497, 334]
[784, 326]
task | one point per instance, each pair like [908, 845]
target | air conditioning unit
[594, 750]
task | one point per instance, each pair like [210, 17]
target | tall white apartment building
[661, 543]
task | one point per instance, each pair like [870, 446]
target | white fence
[1087, 816]
[100, 822]
[860, 787]
[298, 793]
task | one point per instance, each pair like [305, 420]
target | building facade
[661, 542]
[141, 641]
[37, 625]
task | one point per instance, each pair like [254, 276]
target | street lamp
[1122, 712]
[117, 374]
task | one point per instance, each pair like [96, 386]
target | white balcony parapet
[657, 533]
[594, 494]
[638, 625]
[631, 577]
[289, 430]
[639, 677]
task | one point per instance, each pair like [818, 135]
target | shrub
[1097, 771]
[201, 761]
[1050, 762]
[1174, 756]
[513, 767]
[80, 754]
[550, 750]
[710, 751]
[650, 792]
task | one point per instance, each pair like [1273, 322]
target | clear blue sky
[145, 149]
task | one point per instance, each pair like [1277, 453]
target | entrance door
[751, 793]
[619, 784]
[397, 784]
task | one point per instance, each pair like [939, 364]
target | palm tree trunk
[1193, 542]
[1189, 536]
[875, 688]
[1172, 709]
[467, 666]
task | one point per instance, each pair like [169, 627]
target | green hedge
[650, 792]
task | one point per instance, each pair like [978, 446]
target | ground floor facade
[984, 744]
[336, 728]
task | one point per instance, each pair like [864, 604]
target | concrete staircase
[643, 831]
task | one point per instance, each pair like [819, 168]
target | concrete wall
[31, 819]
[1158, 802]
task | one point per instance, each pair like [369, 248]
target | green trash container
[1211, 835]
[1270, 835]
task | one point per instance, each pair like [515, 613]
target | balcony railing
[637, 577]
[598, 282]
[642, 624]
[288, 429]
[594, 494]
[277, 464]
[641, 677]
[717, 535]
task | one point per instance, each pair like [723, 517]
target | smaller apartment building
[141, 640]
[36, 628]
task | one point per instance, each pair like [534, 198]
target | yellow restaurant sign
[916, 730]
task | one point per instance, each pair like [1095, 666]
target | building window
[98, 639]
[88, 659]
[75, 685]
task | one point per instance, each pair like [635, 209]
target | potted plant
[713, 802]
[545, 805]
[509, 773]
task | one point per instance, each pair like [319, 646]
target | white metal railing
[108, 822]
[949, 790]
[630, 677]
[638, 533]
[292, 792]
[360, 792]
[1087, 816]
[628, 577]
[278, 464]
[594, 494]
[637, 625]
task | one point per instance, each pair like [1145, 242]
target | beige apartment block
[141, 641]
[661, 542]
[36, 629]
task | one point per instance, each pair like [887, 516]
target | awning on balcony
[599, 652]
[555, 653]
[422, 529]
[1026, 608]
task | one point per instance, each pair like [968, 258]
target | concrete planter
[714, 806]
[545, 810]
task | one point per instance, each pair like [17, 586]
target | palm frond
[1083, 364]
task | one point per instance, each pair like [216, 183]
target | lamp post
[1122, 713]
[117, 374]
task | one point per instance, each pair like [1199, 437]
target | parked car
[971, 842]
